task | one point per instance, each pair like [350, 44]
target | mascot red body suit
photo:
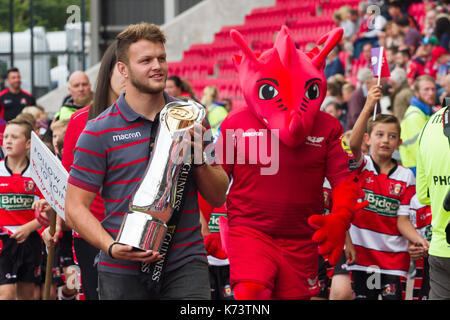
[278, 150]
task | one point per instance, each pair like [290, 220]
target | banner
[49, 175]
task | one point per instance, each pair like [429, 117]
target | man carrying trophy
[135, 153]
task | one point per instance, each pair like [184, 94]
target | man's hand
[196, 135]
[124, 252]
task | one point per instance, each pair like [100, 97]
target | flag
[379, 55]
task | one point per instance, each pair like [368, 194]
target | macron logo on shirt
[126, 136]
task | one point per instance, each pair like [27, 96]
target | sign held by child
[49, 174]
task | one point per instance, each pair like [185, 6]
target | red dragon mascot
[278, 150]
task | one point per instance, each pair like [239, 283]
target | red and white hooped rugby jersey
[17, 194]
[420, 216]
[378, 243]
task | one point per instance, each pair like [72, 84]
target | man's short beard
[143, 87]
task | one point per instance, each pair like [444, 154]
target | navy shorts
[21, 262]
[219, 277]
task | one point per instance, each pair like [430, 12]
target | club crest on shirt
[395, 189]
[29, 186]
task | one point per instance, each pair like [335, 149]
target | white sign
[49, 175]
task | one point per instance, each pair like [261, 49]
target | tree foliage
[51, 14]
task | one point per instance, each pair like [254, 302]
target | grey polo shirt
[111, 156]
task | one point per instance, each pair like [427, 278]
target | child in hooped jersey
[380, 232]
[420, 216]
[20, 258]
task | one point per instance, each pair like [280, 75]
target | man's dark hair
[13, 69]
[402, 21]
[406, 52]
[395, 4]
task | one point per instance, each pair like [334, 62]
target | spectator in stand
[364, 60]
[187, 89]
[390, 57]
[366, 56]
[215, 110]
[412, 36]
[401, 93]
[402, 58]
[335, 109]
[347, 90]
[397, 11]
[442, 31]
[228, 104]
[430, 23]
[333, 64]
[80, 95]
[429, 44]
[417, 65]
[333, 93]
[358, 98]
[176, 87]
[414, 119]
[445, 84]
[342, 18]
[391, 34]
[371, 26]
[13, 99]
[439, 63]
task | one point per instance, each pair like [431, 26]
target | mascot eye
[313, 92]
[267, 92]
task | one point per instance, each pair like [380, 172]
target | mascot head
[284, 86]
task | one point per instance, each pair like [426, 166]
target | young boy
[380, 231]
[20, 258]
[59, 129]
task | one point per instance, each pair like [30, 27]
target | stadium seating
[211, 63]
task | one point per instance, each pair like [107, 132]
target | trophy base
[142, 231]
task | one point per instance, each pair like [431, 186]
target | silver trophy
[151, 207]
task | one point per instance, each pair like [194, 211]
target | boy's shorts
[21, 262]
[219, 278]
[326, 273]
[288, 267]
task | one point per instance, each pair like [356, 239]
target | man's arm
[360, 126]
[212, 182]
[79, 217]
